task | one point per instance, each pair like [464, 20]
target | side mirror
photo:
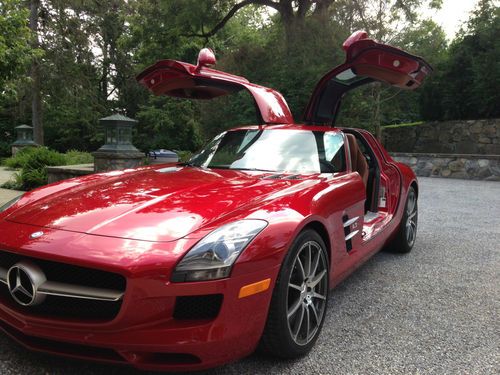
[206, 58]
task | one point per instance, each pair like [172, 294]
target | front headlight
[9, 204]
[213, 257]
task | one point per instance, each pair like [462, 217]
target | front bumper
[170, 344]
[145, 333]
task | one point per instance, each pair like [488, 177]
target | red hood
[149, 204]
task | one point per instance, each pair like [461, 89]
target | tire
[299, 301]
[407, 232]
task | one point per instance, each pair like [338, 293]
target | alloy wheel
[307, 292]
[411, 221]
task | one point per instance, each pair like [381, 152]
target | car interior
[364, 162]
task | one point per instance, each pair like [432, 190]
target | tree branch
[391, 97]
[232, 12]
[322, 7]
[304, 6]
[362, 15]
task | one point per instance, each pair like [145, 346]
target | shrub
[34, 173]
[184, 156]
[33, 178]
[32, 162]
[18, 161]
[15, 184]
[78, 157]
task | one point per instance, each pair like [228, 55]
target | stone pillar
[118, 152]
[24, 139]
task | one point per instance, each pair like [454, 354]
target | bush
[32, 162]
[184, 156]
[33, 172]
[78, 157]
[18, 161]
[16, 184]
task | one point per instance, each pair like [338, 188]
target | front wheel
[298, 305]
[407, 232]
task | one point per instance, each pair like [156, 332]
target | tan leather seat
[358, 161]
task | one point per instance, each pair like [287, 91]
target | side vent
[348, 232]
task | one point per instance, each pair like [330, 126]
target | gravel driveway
[433, 311]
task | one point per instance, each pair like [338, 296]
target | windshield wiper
[187, 164]
[253, 169]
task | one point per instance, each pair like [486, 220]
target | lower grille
[198, 307]
[97, 353]
[72, 292]
[63, 348]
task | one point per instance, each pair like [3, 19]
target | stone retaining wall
[471, 167]
[480, 137]
[68, 171]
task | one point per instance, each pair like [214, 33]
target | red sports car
[189, 266]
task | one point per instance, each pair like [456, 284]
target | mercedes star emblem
[23, 280]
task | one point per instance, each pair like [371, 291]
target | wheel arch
[319, 228]
[414, 185]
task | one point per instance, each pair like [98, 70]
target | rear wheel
[407, 233]
[298, 305]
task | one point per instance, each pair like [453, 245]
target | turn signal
[258, 287]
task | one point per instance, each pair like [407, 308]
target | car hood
[162, 204]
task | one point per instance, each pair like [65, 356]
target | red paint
[180, 79]
[367, 61]
[140, 223]
[206, 57]
[355, 36]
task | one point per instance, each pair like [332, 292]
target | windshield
[274, 150]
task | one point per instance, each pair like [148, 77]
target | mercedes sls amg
[189, 266]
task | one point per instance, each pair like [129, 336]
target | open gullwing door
[366, 61]
[184, 80]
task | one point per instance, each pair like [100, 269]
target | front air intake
[198, 307]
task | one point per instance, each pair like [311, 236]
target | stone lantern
[24, 138]
[118, 152]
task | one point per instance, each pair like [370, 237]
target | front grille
[66, 307]
[198, 307]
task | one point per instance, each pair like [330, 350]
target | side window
[334, 150]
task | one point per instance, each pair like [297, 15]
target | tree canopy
[87, 54]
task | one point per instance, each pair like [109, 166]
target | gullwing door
[184, 80]
[366, 61]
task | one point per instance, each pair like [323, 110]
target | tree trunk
[36, 101]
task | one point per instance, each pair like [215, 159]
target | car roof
[316, 128]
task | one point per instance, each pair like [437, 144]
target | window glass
[275, 150]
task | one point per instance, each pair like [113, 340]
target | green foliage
[33, 177]
[33, 172]
[14, 184]
[15, 49]
[19, 160]
[90, 53]
[73, 157]
[466, 82]
[184, 156]
[167, 123]
[32, 162]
